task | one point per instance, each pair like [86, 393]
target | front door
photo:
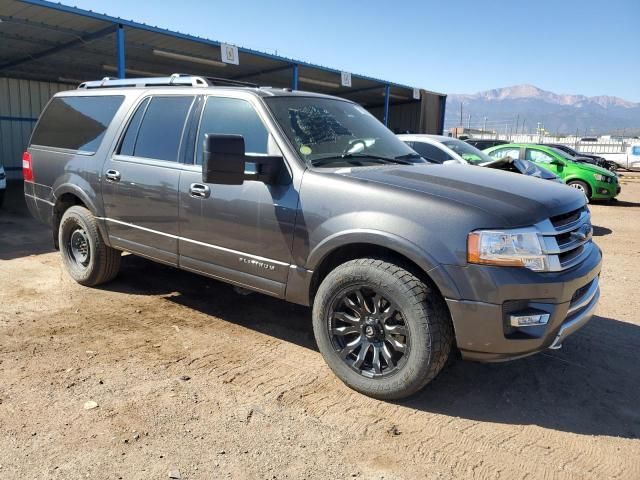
[141, 180]
[239, 233]
[544, 160]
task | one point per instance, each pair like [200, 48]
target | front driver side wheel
[582, 186]
[383, 331]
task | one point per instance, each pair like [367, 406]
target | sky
[588, 47]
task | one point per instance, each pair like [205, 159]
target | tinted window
[431, 152]
[161, 128]
[635, 150]
[232, 116]
[129, 140]
[76, 123]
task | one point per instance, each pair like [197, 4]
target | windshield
[328, 132]
[565, 155]
[468, 152]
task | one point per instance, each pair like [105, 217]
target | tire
[582, 186]
[418, 337]
[88, 260]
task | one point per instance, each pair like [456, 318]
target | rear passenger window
[159, 128]
[232, 116]
[129, 140]
[76, 123]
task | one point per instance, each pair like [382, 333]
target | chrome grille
[567, 239]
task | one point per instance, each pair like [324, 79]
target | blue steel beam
[387, 91]
[141, 26]
[120, 51]
[294, 77]
[51, 51]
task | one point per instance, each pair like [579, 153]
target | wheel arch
[362, 244]
[67, 196]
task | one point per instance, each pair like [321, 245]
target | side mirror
[223, 159]
[225, 163]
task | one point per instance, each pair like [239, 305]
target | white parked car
[3, 184]
[446, 150]
[629, 160]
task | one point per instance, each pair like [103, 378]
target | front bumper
[492, 294]
[605, 191]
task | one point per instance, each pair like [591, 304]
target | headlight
[602, 178]
[506, 248]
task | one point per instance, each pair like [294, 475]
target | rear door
[240, 233]
[141, 179]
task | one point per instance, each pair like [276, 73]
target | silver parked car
[446, 150]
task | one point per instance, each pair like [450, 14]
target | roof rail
[177, 79]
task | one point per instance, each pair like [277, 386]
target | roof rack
[177, 79]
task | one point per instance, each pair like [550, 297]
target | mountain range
[526, 105]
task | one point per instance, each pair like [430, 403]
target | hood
[590, 167]
[516, 200]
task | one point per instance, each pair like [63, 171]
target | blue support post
[120, 51]
[294, 77]
[387, 91]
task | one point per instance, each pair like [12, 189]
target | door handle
[199, 190]
[112, 175]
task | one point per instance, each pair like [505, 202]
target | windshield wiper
[354, 156]
[407, 155]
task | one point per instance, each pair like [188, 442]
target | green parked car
[596, 183]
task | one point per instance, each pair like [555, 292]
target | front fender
[389, 241]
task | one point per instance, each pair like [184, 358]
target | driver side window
[538, 156]
[233, 116]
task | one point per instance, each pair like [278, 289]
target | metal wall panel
[21, 102]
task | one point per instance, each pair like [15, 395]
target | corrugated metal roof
[31, 27]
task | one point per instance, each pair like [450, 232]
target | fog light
[529, 320]
[603, 191]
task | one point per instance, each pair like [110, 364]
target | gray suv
[309, 198]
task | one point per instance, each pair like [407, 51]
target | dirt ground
[195, 380]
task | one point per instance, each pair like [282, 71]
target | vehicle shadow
[623, 203]
[601, 231]
[590, 387]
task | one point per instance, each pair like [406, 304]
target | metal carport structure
[46, 47]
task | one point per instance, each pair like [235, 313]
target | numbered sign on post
[345, 79]
[229, 54]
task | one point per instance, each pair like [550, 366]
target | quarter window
[232, 116]
[155, 131]
[76, 123]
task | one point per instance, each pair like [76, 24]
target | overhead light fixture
[399, 97]
[188, 58]
[133, 71]
[321, 83]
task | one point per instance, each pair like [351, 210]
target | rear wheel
[382, 330]
[582, 186]
[86, 257]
